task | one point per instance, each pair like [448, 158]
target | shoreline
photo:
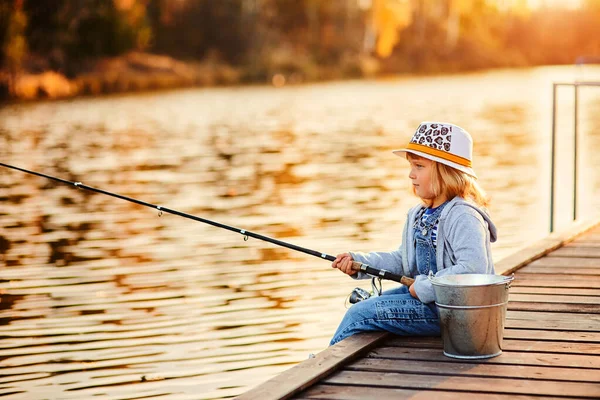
[144, 72]
[133, 72]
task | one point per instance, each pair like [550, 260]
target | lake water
[103, 298]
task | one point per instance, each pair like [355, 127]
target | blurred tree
[97, 28]
[291, 22]
[6, 7]
[389, 17]
[136, 19]
[196, 29]
[15, 43]
[67, 32]
[449, 35]
[47, 32]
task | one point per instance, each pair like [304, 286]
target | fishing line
[380, 273]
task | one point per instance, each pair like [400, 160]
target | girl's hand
[411, 289]
[343, 262]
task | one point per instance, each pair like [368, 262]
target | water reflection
[101, 297]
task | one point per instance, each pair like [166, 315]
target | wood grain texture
[560, 262]
[581, 252]
[474, 384]
[453, 367]
[337, 392]
[545, 346]
[507, 357]
[559, 298]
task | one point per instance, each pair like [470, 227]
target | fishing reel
[360, 294]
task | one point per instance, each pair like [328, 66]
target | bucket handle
[507, 280]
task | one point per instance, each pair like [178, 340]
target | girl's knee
[365, 309]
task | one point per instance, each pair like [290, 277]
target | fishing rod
[357, 266]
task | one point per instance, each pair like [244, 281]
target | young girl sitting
[449, 234]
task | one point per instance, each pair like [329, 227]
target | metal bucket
[472, 309]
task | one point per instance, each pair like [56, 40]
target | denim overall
[396, 310]
[424, 247]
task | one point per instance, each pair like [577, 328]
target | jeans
[394, 311]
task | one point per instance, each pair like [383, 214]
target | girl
[449, 234]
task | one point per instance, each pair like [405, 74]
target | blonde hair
[452, 182]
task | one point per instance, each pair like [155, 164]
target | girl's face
[421, 170]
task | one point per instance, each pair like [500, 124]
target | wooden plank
[548, 346]
[567, 270]
[540, 346]
[473, 384]
[548, 316]
[560, 262]
[507, 357]
[554, 307]
[592, 234]
[580, 326]
[586, 252]
[310, 371]
[588, 238]
[539, 335]
[548, 298]
[569, 336]
[468, 369]
[584, 244]
[553, 281]
[554, 291]
[337, 392]
[577, 278]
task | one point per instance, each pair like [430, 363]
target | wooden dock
[551, 343]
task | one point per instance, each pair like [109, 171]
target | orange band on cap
[439, 153]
